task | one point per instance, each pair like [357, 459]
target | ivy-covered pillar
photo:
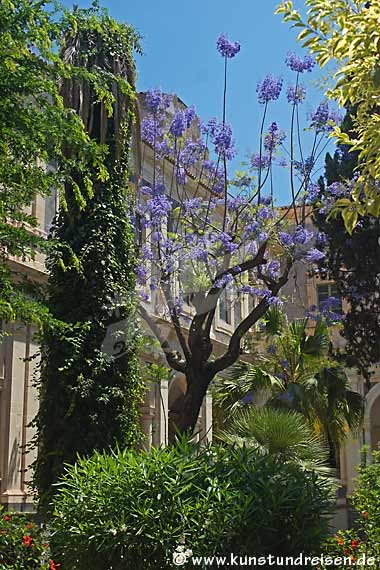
[90, 388]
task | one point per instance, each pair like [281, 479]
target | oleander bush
[135, 509]
[23, 544]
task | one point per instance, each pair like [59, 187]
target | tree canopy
[35, 130]
[347, 33]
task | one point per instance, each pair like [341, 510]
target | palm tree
[280, 433]
[297, 374]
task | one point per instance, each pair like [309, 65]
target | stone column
[17, 409]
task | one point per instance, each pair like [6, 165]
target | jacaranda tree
[89, 395]
[224, 238]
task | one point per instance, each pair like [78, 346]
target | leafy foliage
[23, 544]
[284, 434]
[35, 130]
[297, 374]
[90, 388]
[364, 539]
[348, 33]
[353, 262]
[135, 509]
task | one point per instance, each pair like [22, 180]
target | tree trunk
[185, 413]
[332, 451]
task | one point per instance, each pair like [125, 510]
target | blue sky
[180, 56]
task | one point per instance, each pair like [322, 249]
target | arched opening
[375, 423]
[372, 417]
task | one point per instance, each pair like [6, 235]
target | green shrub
[22, 544]
[364, 539]
[133, 510]
[366, 501]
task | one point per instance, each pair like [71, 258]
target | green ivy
[90, 395]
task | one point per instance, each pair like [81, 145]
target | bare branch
[233, 352]
[173, 357]
[176, 323]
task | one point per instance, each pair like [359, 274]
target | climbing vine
[90, 387]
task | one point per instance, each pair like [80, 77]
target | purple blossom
[247, 289]
[156, 236]
[179, 124]
[314, 255]
[262, 161]
[191, 205]
[272, 269]
[181, 174]
[274, 301]
[190, 115]
[146, 253]
[302, 236]
[274, 138]
[324, 118]
[299, 64]
[226, 241]
[320, 117]
[272, 349]
[226, 47]
[158, 207]
[191, 152]
[221, 136]
[251, 228]
[255, 291]
[215, 175]
[156, 100]
[285, 238]
[163, 149]
[338, 190]
[313, 192]
[150, 130]
[330, 303]
[224, 281]
[198, 252]
[335, 117]
[269, 89]
[296, 94]
[264, 213]
[306, 167]
[262, 236]
[141, 275]
[236, 202]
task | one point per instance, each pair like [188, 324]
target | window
[224, 309]
[325, 292]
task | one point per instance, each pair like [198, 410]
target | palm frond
[274, 320]
[280, 433]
